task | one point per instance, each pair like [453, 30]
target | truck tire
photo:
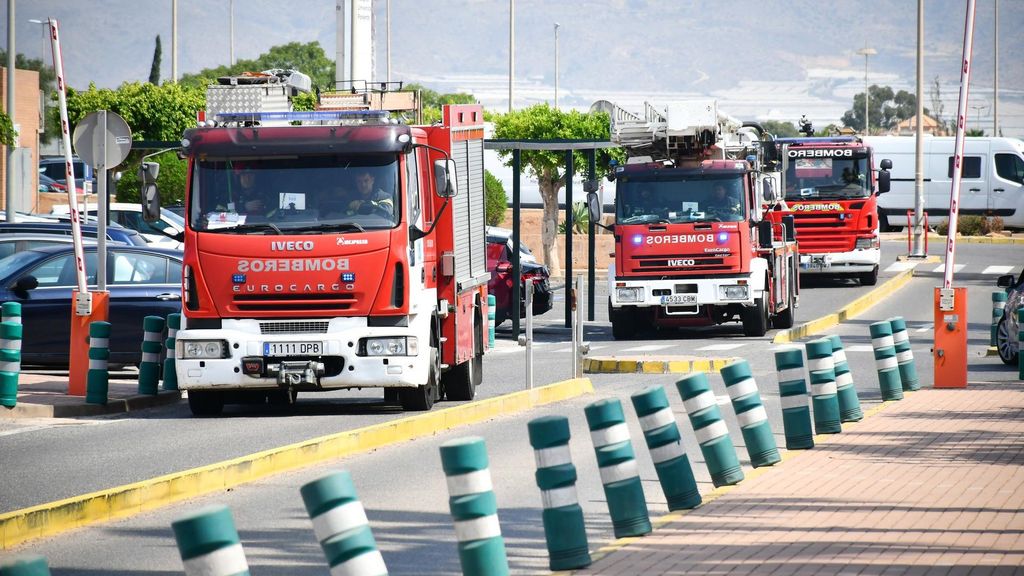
[868, 278]
[623, 325]
[1009, 352]
[460, 383]
[787, 317]
[421, 398]
[205, 402]
[755, 319]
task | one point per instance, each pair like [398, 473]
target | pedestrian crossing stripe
[722, 347]
[941, 268]
[997, 270]
[900, 266]
[648, 348]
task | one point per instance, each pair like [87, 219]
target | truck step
[445, 366]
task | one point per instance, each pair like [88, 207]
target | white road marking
[997, 270]
[900, 266]
[722, 347]
[941, 268]
[859, 348]
[927, 328]
[648, 348]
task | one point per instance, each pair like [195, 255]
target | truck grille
[291, 327]
[293, 302]
[664, 263]
[825, 233]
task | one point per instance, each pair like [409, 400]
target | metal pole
[516, 239]
[556, 65]
[231, 19]
[388, 62]
[174, 40]
[958, 151]
[11, 54]
[867, 124]
[995, 74]
[919, 139]
[511, 52]
[569, 171]
[101, 210]
[591, 228]
[575, 318]
[580, 348]
[529, 333]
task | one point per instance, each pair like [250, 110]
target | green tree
[542, 122]
[307, 58]
[495, 199]
[154, 69]
[47, 83]
[978, 132]
[885, 109]
[780, 129]
[431, 101]
[6, 130]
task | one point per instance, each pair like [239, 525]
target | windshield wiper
[261, 226]
[332, 227]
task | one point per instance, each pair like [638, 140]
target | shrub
[580, 219]
[495, 199]
[971, 225]
[993, 224]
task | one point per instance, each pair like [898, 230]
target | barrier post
[474, 507]
[904, 354]
[663, 441]
[796, 409]
[565, 532]
[712, 433]
[209, 544]
[97, 381]
[170, 376]
[998, 304]
[846, 392]
[10, 362]
[25, 566]
[492, 304]
[341, 527]
[750, 413]
[823, 387]
[617, 463]
[885, 361]
[152, 345]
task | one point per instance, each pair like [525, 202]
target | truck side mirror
[442, 179]
[771, 195]
[886, 164]
[591, 186]
[150, 197]
[884, 180]
[594, 207]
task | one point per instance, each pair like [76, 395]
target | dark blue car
[115, 232]
[142, 281]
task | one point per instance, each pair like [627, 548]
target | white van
[993, 178]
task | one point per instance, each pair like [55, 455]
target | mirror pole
[591, 257]
[570, 171]
[517, 169]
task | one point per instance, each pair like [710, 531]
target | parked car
[498, 235]
[53, 167]
[14, 243]
[499, 262]
[167, 230]
[142, 281]
[47, 184]
[115, 232]
[1007, 331]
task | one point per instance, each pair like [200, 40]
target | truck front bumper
[856, 262]
[255, 358]
[684, 296]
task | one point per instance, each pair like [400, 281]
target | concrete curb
[54, 518]
[114, 406]
[851, 310]
[962, 239]
[658, 365]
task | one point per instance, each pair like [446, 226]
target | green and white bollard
[564, 530]
[473, 507]
[209, 544]
[846, 392]
[97, 381]
[152, 346]
[617, 465]
[750, 413]
[796, 409]
[341, 527]
[11, 312]
[492, 305]
[170, 376]
[885, 361]
[711, 432]
[904, 355]
[25, 566]
[10, 362]
[823, 387]
[998, 305]
[664, 443]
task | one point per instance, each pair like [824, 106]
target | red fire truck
[325, 250]
[831, 191]
[692, 245]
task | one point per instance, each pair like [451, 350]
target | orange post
[78, 366]
[950, 350]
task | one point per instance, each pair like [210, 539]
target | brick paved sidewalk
[932, 484]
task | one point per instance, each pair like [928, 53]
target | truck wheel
[869, 278]
[205, 403]
[787, 317]
[755, 319]
[1009, 351]
[623, 325]
[391, 395]
[421, 398]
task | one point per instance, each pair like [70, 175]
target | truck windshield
[684, 199]
[832, 178]
[285, 195]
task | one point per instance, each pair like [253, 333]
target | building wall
[26, 115]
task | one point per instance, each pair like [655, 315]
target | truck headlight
[733, 292]
[202, 349]
[865, 243]
[389, 346]
[629, 294]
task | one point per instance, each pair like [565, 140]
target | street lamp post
[556, 64]
[865, 51]
[977, 113]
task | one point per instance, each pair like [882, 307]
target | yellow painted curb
[851, 310]
[53, 518]
[652, 365]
